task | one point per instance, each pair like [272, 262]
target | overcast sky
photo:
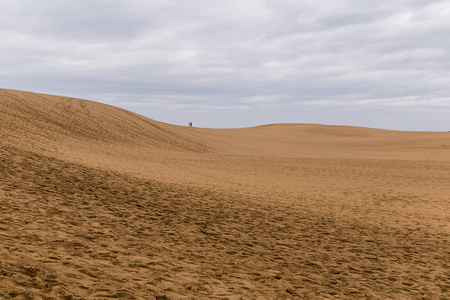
[222, 64]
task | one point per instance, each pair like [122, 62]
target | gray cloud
[238, 63]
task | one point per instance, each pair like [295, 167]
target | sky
[228, 64]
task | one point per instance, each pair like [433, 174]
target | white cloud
[246, 55]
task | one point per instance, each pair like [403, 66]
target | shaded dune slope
[97, 202]
[74, 232]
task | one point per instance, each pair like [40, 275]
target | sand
[97, 202]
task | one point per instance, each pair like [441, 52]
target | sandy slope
[311, 140]
[97, 202]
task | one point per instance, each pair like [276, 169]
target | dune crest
[42, 120]
[46, 119]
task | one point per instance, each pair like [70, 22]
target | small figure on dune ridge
[190, 124]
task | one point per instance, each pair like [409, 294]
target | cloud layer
[238, 63]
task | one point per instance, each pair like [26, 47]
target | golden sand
[97, 202]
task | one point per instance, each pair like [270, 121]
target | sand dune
[97, 202]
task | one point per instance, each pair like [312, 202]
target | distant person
[190, 124]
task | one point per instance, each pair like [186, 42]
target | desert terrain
[97, 202]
